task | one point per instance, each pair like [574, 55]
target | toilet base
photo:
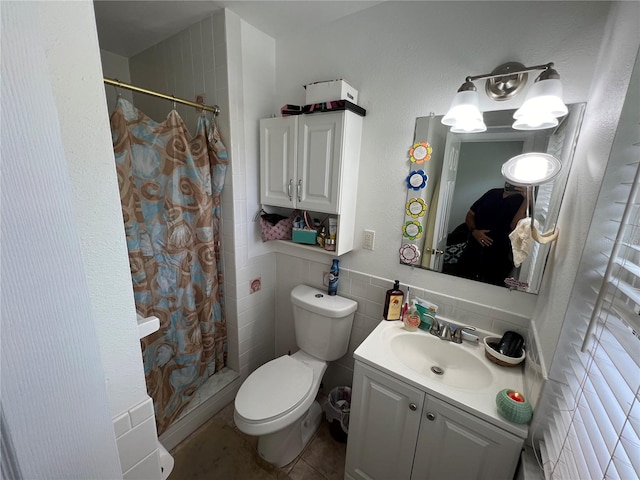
[282, 447]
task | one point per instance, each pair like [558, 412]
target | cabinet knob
[413, 407]
[289, 189]
[298, 190]
[431, 416]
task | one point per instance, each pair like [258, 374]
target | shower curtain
[170, 185]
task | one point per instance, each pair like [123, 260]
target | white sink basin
[440, 360]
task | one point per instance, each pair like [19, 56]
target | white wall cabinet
[310, 162]
[399, 432]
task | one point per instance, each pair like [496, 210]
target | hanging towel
[521, 241]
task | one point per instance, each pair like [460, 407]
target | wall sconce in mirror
[530, 170]
[541, 108]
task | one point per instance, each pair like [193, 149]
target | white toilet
[276, 402]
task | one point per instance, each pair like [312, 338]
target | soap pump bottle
[393, 303]
[411, 318]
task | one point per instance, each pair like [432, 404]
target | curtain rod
[215, 108]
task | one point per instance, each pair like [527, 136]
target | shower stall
[187, 386]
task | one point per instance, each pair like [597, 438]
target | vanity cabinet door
[454, 444]
[383, 427]
[278, 150]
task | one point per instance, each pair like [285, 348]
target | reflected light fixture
[541, 108]
[531, 169]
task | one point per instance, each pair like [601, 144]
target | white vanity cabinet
[455, 444]
[310, 162]
[397, 431]
[383, 426]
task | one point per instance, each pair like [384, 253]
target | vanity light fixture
[464, 115]
[541, 109]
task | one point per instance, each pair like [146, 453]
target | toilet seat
[287, 382]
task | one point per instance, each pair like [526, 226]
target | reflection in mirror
[458, 171]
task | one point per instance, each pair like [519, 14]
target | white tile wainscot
[137, 441]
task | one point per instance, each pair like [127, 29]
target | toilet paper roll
[166, 461]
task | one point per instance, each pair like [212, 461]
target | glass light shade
[531, 169]
[469, 125]
[543, 99]
[535, 122]
[464, 115]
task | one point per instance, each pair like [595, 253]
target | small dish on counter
[490, 351]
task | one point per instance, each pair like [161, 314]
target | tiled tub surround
[137, 441]
[369, 292]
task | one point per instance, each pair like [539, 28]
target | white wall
[77, 89]
[393, 53]
[94, 183]
[250, 64]
[408, 59]
[55, 396]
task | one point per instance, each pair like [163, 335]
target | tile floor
[219, 450]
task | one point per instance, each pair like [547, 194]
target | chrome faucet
[445, 331]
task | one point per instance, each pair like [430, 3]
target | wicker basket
[498, 361]
[498, 358]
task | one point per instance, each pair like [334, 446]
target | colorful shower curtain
[170, 185]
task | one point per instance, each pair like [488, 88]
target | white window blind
[593, 431]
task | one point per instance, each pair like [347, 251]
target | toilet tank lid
[314, 300]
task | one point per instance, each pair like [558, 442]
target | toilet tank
[322, 322]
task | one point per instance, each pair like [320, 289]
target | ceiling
[129, 27]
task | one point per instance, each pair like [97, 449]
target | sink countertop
[375, 351]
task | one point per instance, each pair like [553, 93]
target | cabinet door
[320, 141]
[278, 145]
[383, 426]
[454, 444]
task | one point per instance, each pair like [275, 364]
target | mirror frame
[429, 129]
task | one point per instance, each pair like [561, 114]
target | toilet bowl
[277, 401]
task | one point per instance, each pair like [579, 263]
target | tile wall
[369, 292]
[137, 442]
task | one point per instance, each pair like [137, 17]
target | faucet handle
[435, 327]
[456, 336]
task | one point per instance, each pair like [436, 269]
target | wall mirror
[449, 171]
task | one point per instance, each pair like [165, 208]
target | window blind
[595, 427]
[593, 431]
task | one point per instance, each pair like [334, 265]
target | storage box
[319, 92]
[302, 235]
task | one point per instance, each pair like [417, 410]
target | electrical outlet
[368, 239]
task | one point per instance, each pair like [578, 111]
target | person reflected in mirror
[488, 256]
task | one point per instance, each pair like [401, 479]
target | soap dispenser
[393, 303]
[411, 318]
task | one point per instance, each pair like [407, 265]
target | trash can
[337, 412]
